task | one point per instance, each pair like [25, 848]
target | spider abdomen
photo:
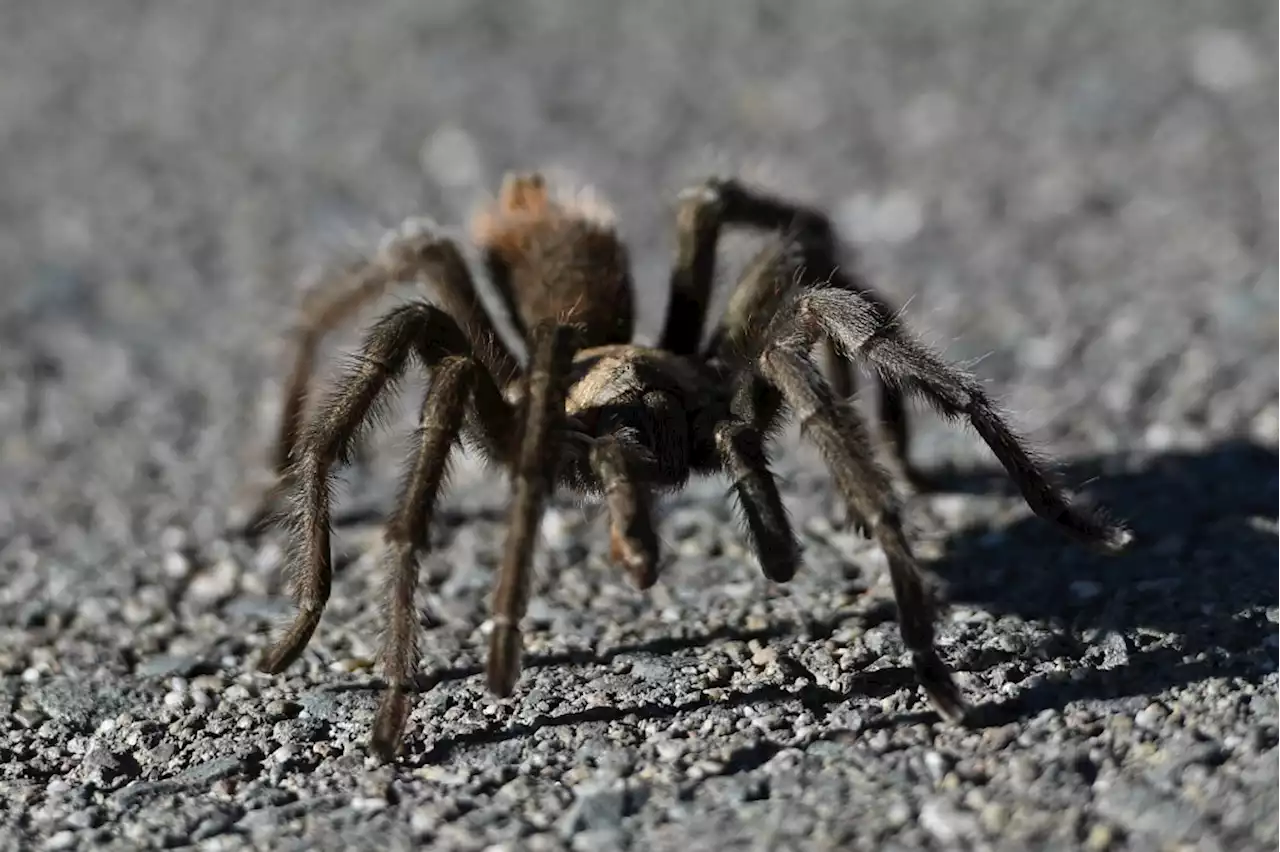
[557, 257]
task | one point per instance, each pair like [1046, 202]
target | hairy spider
[593, 412]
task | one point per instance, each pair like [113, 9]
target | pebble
[176, 566]
[937, 765]
[168, 665]
[994, 817]
[595, 807]
[1099, 838]
[216, 583]
[895, 217]
[176, 700]
[947, 823]
[1223, 60]
[236, 693]
[1151, 717]
[61, 840]
[765, 657]
[350, 665]
[368, 805]
[1085, 590]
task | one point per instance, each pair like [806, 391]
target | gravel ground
[1077, 197]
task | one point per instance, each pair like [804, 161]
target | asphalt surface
[1077, 198]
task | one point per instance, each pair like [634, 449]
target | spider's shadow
[1188, 600]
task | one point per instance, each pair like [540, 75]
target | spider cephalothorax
[592, 412]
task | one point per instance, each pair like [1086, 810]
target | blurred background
[1078, 198]
[1080, 194]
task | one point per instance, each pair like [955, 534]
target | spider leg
[693, 272]
[640, 445]
[741, 450]
[453, 383]
[328, 441]
[533, 477]
[412, 251]
[866, 332]
[633, 544]
[335, 299]
[806, 251]
[842, 439]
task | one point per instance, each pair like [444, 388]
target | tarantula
[595, 413]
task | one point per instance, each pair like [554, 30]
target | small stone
[176, 566]
[209, 683]
[557, 529]
[350, 665]
[1160, 437]
[1023, 770]
[423, 822]
[368, 805]
[236, 692]
[595, 807]
[1085, 590]
[61, 840]
[765, 657]
[29, 719]
[930, 118]
[1115, 651]
[718, 676]
[176, 700]
[994, 817]
[1222, 60]
[947, 823]
[451, 157]
[937, 765]
[1099, 839]
[1151, 716]
[705, 769]
[895, 217]
[603, 838]
[217, 583]
[1265, 428]
[168, 665]
[897, 814]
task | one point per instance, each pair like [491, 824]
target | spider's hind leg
[413, 251]
[803, 250]
[865, 332]
[328, 441]
[408, 531]
[842, 439]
